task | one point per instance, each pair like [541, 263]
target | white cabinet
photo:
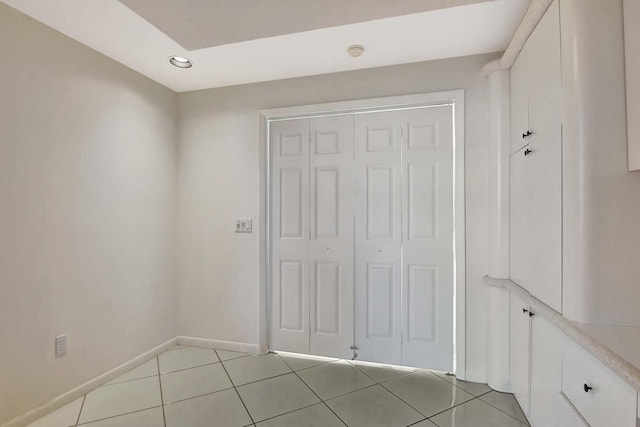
[602, 398]
[549, 407]
[536, 82]
[536, 164]
[519, 347]
[520, 81]
[556, 382]
[536, 218]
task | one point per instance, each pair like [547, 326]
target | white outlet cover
[61, 345]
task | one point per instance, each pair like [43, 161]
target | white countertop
[616, 347]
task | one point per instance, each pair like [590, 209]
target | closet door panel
[427, 221]
[331, 244]
[290, 241]
[378, 236]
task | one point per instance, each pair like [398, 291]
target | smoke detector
[355, 50]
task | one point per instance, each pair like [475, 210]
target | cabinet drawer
[566, 415]
[609, 401]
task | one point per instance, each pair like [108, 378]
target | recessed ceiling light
[180, 62]
[355, 50]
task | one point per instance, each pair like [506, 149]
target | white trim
[455, 97]
[219, 344]
[534, 14]
[77, 392]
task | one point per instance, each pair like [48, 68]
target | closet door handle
[524, 310]
[527, 134]
[527, 152]
[587, 387]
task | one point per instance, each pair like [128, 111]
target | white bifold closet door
[312, 235]
[362, 236]
[404, 268]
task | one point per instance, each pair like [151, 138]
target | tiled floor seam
[236, 390]
[312, 391]
[80, 411]
[177, 370]
[457, 386]
[418, 422]
[120, 415]
[256, 381]
[506, 413]
[234, 358]
[403, 401]
[198, 395]
[450, 408]
[289, 412]
[128, 381]
[164, 418]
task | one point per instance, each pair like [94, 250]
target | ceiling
[198, 24]
[243, 41]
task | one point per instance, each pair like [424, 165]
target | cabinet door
[545, 73]
[520, 81]
[546, 374]
[544, 217]
[520, 219]
[519, 344]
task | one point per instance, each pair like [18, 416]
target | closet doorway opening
[362, 236]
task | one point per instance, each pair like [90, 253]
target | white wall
[87, 211]
[218, 180]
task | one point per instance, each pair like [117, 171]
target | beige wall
[87, 210]
[218, 180]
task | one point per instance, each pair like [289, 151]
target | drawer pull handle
[527, 152]
[524, 310]
[587, 387]
[531, 313]
[527, 134]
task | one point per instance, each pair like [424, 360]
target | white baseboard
[92, 384]
[219, 344]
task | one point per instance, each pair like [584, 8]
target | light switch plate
[244, 225]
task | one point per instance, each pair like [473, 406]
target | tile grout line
[390, 379]
[504, 412]
[119, 415]
[379, 383]
[164, 418]
[312, 391]
[403, 401]
[181, 369]
[235, 389]
[448, 409]
[80, 412]
[324, 402]
[451, 384]
[127, 381]
[199, 395]
[290, 412]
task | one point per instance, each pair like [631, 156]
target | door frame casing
[456, 98]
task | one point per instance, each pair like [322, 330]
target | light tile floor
[196, 387]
